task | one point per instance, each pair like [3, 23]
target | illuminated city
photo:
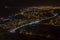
[37, 22]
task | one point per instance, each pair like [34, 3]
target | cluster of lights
[34, 19]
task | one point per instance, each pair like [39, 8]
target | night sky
[10, 7]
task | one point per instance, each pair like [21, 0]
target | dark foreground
[37, 30]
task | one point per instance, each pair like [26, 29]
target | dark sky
[31, 2]
[14, 5]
